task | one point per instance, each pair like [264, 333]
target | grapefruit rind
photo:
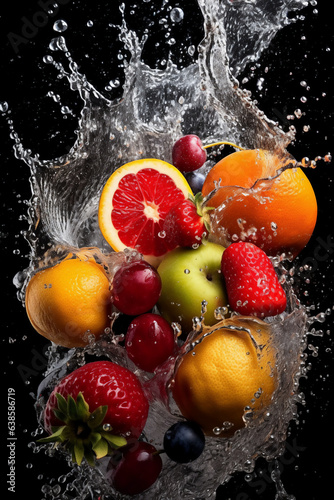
[106, 204]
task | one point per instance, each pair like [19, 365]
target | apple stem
[221, 143]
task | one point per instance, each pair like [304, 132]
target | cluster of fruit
[205, 260]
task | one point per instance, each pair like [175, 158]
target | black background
[300, 52]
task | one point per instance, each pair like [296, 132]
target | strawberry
[186, 222]
[251, 281]
[90, 402]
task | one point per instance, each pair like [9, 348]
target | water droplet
[258, 393]
[48, 59]
[249, 466]
[114, 83]
[260, 83]
[58, 43]
[186, 271]
[90, 23]
[65, 110]
[177, 15]
[56, 489]
[298, 113]
[191, 50]
[3, 106]
[60, 25]
[53, 45]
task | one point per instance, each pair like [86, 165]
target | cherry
[149, 341]
[188, 153]
[136, 288]
[184, 442]
[138, 468]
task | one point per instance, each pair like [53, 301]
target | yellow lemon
[230, 367]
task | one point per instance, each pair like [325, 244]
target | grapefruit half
[134, 203]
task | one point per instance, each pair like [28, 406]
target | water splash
[156, 108]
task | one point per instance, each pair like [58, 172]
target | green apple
[188, 277]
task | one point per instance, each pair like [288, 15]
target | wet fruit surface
[138, 468]
[136, 288]
[189, 277]
[278, 214]
[184, 442]
[230, 368]
[67, 302]
[135, 201]
[252, 285]
[188, 153]
[104, 383]
[149, 341]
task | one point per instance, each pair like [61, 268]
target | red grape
[188, 153]
[149, 341]
[136, 288]
[137, 470]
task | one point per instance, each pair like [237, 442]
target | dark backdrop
[300, 52]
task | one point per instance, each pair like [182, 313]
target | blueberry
[184, 442]
[195, 181]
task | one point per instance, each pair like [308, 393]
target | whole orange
[256, 202]
[231, 367]
[66, 302]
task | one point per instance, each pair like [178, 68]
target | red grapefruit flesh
[134, 203]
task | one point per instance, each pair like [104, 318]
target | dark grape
[195, 181]
[184, 442]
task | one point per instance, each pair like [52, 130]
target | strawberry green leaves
[83, 434]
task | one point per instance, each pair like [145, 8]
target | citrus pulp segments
[134, 202]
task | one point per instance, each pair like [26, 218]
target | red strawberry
[89, 402]
[186, 222]
[252, 284]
